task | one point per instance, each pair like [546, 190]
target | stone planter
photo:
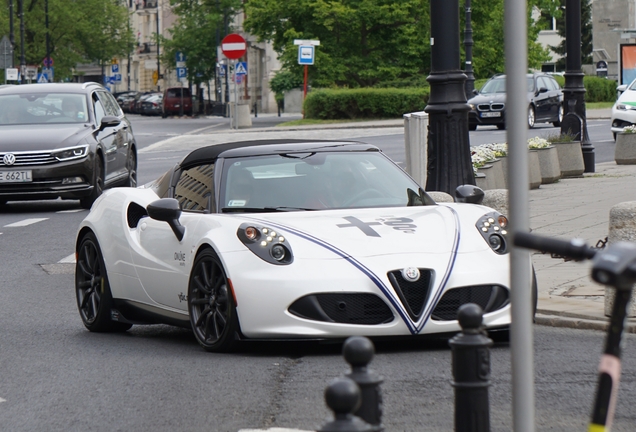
[625, 152]
[480, 180]
[498, 174]
[549, 164]
[534, 169]
[504, 167]
[570, 158]
[489, 182]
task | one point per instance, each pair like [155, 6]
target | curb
[578, 323]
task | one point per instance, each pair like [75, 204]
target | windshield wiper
[262, 209]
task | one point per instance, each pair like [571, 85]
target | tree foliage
[368, 42]
[195, 34]
[80, 31]
[586, 34]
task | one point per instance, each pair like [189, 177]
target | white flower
[537, 143]
[629, 129]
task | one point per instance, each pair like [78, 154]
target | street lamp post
[468, 48]
[48, 46]
[22, 59]
[449, 161]
[574, 120]
[158, 60]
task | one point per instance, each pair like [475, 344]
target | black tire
[131, 166]
[210, 304]
[532, 117]
[164, 115]
[92, 290]
[558, 122]
[501, 126]
[614, 133]
[98, 184]
[472, 126]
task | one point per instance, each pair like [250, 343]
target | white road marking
[70, 211]
[25, 222]
[2, 400]
[68, 260]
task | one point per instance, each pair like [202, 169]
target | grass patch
[302, 122]
[598, 105]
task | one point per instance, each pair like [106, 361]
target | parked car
[63, 140]
[135, 104]
[320, 240]
[124, 98]
[545, 102]
[151, 105]
[624, 110]
[173, 97]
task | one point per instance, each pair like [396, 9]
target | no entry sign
[233, 46]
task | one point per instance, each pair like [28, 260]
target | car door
[163, 262]
[542, 100]
[121, 140]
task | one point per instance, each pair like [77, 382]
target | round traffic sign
[233, 46]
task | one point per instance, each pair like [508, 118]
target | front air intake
[489, 297]
[413, 295]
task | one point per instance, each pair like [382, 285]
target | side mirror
[469, 194]
[109, 121]
[167, 210]
[621, 88]
[475, 91]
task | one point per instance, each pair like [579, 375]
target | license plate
[15, 176]
[491, 114]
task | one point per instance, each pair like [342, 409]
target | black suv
[545, 102]
[63, 140]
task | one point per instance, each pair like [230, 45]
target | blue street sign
[306, 54]
[180, 59]
[111, 80]
[114, 68]
[49, 72]
[241, 68]
[181, 72]
[42, 78]
[117, 78]
[222, 70]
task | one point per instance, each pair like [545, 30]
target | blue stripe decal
[376, 280]
[449, 269]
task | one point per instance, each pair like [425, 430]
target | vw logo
[8, 159]
[411, 274]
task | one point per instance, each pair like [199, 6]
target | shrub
[329, 104]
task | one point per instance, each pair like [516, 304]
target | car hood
[487, 98]
[628, 98]
[374, 232]
[41, 137]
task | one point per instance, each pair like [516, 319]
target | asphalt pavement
[569, 208]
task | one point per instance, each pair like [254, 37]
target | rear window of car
[176, 92]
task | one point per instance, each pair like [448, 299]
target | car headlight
[625, 107]
[493, 228]
[71, 153]
[266, 243]
[472, 106]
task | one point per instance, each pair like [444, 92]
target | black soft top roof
[263, 147]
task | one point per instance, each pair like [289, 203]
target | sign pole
[235, 96]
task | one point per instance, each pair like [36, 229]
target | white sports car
[289, 240]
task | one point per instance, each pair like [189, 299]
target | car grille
[29, 158]
[343, 308]
[489, 297]
[413, 295]
[491, 107]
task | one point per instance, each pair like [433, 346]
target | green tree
[362, 42]
[586, 33]
[195, 34]
[80, 31]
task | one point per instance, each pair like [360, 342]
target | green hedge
[364, 103]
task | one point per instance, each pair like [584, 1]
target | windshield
[316, 181]
[43, 108]
[498, 85]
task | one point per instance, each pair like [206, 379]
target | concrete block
[570, 158]
[549, 164]
[534, 169]
[497, 199]
[416, 145]
[240, 116]
[440, 196]
[625, 152]
[622, 227]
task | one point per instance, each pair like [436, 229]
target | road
[55, 375]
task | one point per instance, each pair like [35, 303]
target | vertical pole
[48, 49]
[22, 60]
[449, 163]
[158, 60]
[235, 96]
[468, 48]
[129, 48]
[304, 90]
[521, 335]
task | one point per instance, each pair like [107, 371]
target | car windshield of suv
[316, 181]
[498, 85]
[41, 108]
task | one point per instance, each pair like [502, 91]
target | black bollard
[255, 110]
[358, 351]
[471, 371]
[343, 398]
